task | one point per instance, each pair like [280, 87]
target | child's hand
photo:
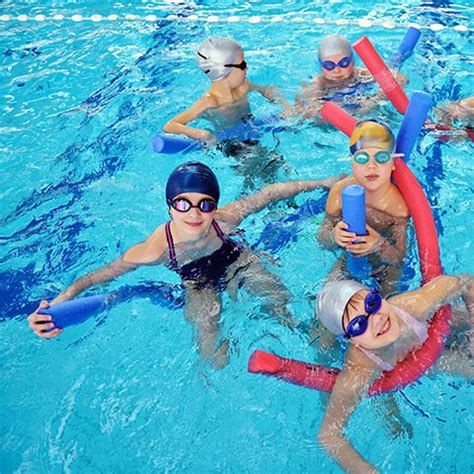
[330, 182]
[39, 322]
[342, 236]
[367, 244]
[208, 138]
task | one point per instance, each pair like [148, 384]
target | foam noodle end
[262, 362]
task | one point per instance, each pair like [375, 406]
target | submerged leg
[259, 282]
[203, 310]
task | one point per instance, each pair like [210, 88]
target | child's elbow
[168, 127]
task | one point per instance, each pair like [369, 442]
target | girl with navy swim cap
[380, 333]
[339, 80]
[195, 243]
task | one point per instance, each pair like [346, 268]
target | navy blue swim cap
[192, 177]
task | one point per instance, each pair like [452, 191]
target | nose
[194, 212]
[371, 163]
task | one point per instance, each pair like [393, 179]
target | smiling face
[338, 73]
[372, 175]
[383, 326]
[193, 223]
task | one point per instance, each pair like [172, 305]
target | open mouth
[372, 177]
[386, 327]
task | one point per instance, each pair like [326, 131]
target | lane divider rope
[254, 20]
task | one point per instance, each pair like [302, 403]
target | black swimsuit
[208, 271]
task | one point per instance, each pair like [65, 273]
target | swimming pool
[126, 392]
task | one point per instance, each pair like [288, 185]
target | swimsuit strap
[218, 230]
[385, 366]
[169, 238]
[418, 327]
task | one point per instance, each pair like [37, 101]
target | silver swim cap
[334, 44]
[332, 300]
[213, 53]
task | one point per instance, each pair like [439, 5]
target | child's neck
[223, 92]
[380, 196]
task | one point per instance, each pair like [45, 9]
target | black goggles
[242, 66]
[184, 205]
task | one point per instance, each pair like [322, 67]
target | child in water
[340, 81]
[380, 333]
[225, 105]
[373, 160]
[196, 244]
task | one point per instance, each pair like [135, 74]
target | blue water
[125, 392]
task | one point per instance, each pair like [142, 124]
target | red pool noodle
[338, 117]
[415, 365]
[381, 73]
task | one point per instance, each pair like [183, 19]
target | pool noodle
[381, 73]
[338, 117]
[415, 364]
[353, 214]
[412, 124]
[251, 130]
[406, 47]
[75, 311]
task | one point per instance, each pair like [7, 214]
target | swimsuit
[210, 270]
[419, 328]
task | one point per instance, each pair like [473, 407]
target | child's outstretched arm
[140, 254]
[178, 124]
[438, 292]
[235, 212]
[350, 388]
[271, 93]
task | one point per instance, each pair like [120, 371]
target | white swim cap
[332, 300]
[334, 44]
[213, 53]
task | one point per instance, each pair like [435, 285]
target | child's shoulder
[396, 205]
[334, 202]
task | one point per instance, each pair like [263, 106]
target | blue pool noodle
[412, 123]
[353, 214]
[251, 130]
[406, 47]
[75, 311]
[79, 310]
[170, 144]
[353, 208]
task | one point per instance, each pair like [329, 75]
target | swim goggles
[330, 65]
[184, 205]
[381, 157]
[242, 66]
[359, 324]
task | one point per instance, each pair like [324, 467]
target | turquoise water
[125, 392]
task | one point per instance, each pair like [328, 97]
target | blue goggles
[343, 63]
[359, 324]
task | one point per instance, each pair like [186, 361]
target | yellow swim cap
[369, 133]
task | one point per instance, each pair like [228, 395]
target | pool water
[126, 392]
